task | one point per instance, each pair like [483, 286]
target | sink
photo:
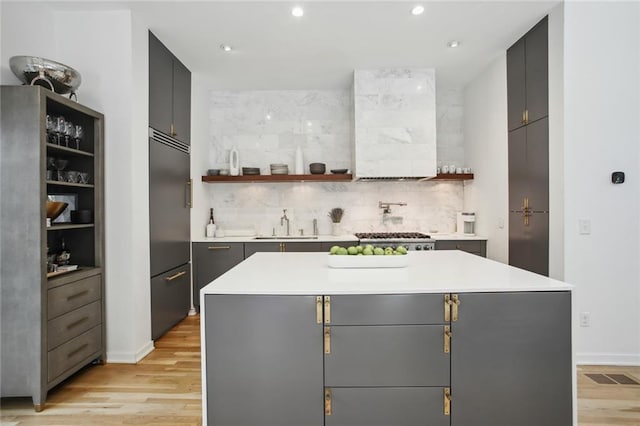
[288, 237]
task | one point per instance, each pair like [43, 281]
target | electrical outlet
[585, 319]
[501, 223]
[584, 226]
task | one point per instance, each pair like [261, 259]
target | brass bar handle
[526, 116]
[77, 323]
[174, 276]
[327, 309]
[447, 307]
[455, 304]
[172, 130]
[327, 340]
[447, 401]
[447, 339]
[327, 402]
[218, 248]
[81, 348]
[318, 309]
[75, 296]
[522, 118]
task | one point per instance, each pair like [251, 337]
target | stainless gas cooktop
[410, 240]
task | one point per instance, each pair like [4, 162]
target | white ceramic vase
[336, 229]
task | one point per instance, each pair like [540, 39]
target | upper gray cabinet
[169, 92]
[527, 77]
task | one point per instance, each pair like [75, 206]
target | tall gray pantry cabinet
[52, 323]
[169, 187]
[467, 359]
[528, 124]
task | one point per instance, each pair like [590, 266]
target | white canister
[299, 163]
[234, 163]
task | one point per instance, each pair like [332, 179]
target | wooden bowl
[55, 209]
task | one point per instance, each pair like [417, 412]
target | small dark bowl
[339, 171]
[81, 216]
[317, 168]
[213, 172]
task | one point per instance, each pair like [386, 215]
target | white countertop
[321, 238]
[428, 272]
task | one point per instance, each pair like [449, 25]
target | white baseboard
[130, 357]
[607, 359]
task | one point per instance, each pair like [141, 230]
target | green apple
[342, 251]
[401, 250]
[378, 251]
[367, 252]
[360, 249]
[334, 249]
[369, 246]
[352, 250]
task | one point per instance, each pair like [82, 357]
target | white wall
[485, 144]
[110, 50]
[602, 111]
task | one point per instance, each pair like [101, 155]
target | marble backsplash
[267, 126]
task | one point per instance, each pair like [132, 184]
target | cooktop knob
[418, 247]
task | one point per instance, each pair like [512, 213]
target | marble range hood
[394, 124]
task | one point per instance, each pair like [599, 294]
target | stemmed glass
[59, 128]
[69, 131]
[78, 134]
[50, 129]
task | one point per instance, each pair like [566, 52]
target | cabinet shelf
[70, 151]
[63, 226]
[75, 185]
[453, 176]
[278, 178]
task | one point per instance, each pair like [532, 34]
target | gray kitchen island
[451, 339]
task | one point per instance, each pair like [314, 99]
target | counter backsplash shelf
[316, 178]
[278, 178]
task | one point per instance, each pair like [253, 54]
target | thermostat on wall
[617, 177]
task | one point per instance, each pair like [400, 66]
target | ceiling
[274, 50]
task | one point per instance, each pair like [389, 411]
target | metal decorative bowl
[58, 77]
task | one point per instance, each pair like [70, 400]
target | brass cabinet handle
[526, 116]
[189, 195]
[327, 309]
[318, 309]
[327, 340]
[77, 323]
[447, 307]
[447, 339]
[455, 303]
[447, 401]
[173, 277]
[172, 130]
[218, 248]
[327, 402]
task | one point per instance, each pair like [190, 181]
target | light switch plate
[584, 225]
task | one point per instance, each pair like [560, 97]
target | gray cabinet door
[511, 360]
[169, 215]
[516, 84]
[418, 406]
[181, 104]
[537, 72]
[518, 169]
[210, 260]
[310, 246]
[169, 299]
[529, 244]
[250, 248]
[263, 361]
[391, 355]
[538, 165]
[478, 247]
[326, 245]
[160, 85]
[387, 309]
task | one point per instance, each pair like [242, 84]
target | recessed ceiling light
[297, 11]
[226, 47]
[453, 43]
[417, 10]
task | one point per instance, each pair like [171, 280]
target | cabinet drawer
[417, 406]
[475, 246]
[387, 309]
[68, 297]
[73, 324]
[395, 355]
[74, 351]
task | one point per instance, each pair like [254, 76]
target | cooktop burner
[390, 235]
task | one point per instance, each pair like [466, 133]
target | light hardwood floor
[164, 389]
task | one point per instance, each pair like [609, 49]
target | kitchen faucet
[283, 219]
[386, 207]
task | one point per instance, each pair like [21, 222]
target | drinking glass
[79, 133]
[50, 129]
[59, 128]
[69, 130]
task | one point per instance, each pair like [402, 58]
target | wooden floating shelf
[278, 178]
[453, 176]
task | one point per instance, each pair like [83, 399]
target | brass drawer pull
[218, 248]
[327, 402]
[77, 323]
[447, 339]
[318, 309]
[327, 340]
[447, 401]
[75, 296]
[178, 275]
[80, 349]
[327, 309]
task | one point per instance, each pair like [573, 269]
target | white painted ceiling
[274, 50]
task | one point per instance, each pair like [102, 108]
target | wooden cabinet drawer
[387, 309]
[74, 351]
[74, 323]
[391, 355]
[71, 296]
